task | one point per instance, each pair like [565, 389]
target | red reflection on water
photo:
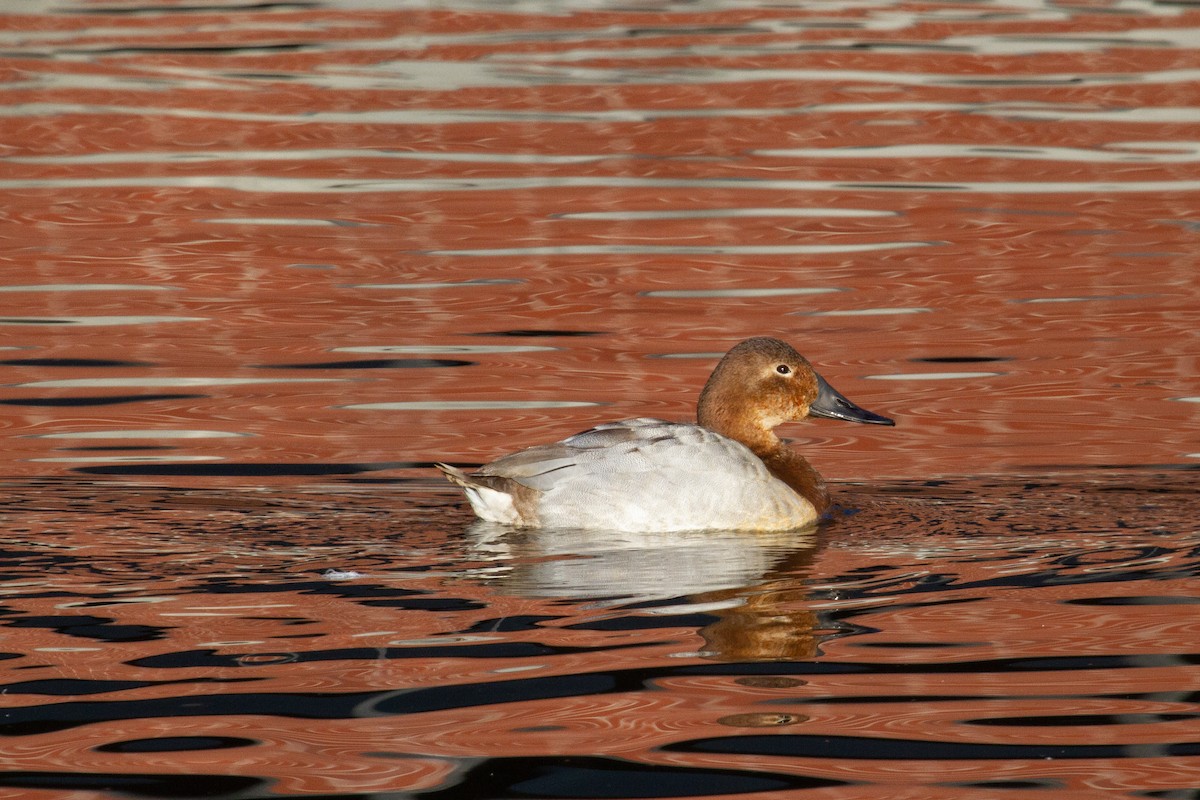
[179, 224]
[186, 190]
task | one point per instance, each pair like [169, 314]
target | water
[963, 637]
[264, 264]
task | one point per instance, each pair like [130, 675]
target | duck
[728, 470]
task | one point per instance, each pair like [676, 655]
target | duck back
[648, 474]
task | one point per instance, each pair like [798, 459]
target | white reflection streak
[693, 76]
[521, 70]
[320, 154]
[723, 213]
[1140, 152]
[751, 292]
[978, 45]
[433, 116]
[633, 249]
[76, 322]
[437, 185]
[933, 376]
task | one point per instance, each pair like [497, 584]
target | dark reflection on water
[107, 400]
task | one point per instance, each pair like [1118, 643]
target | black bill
[830, 403]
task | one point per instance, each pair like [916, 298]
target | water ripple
[280, 185]
[724, 213]
[310, 610]
[436, 349]
[638, 249]
[429, 116]
[96, 383]
[468, 405]
[1168, 152]
[99, 321]
[764, 292]
[89, 287]
[140, 434]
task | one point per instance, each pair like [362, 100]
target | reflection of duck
[633, 567]
[770, 622]
[730, 471]
[751, 583]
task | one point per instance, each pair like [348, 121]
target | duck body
[636, 475]
[727, 471]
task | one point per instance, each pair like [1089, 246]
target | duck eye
[783, 369]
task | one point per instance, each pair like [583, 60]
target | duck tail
[489, 503]
[454, 475]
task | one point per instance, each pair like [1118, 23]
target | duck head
[762, 382]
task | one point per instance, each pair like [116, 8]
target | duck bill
[832, 404]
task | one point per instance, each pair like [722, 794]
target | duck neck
[784, 463]
[793, 469]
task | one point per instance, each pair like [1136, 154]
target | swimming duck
[730, 471]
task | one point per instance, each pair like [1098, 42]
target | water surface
[266, 263]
